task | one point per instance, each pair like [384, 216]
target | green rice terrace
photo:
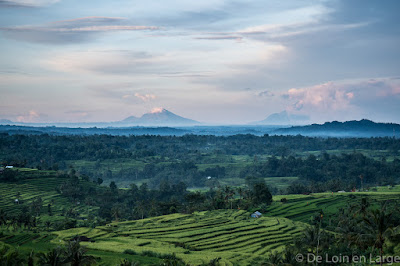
[197, 238]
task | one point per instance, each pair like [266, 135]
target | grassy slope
[38, 184]
[200, 237]
[44, 184]
[229, 234]
[302, 207]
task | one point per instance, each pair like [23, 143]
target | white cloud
[327, 97]
[145, 97]
[345, 100]
[28, 3]
[31, 116]
[223, 59]
[72, 31]
[157, 110]
[266, 93]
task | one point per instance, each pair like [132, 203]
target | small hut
[256, 214]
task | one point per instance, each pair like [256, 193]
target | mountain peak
[160, 116]
[6, 121]
[158, 110]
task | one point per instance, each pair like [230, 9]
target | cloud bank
[345, 100]
[72, 31]
[27, 3]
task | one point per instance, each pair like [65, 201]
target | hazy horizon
[215, 61]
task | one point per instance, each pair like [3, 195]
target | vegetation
[112, 200]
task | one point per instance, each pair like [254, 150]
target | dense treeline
[177, 159]
[47, 150]
[110, 203]
[328, 172]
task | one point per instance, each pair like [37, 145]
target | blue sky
[220, 61]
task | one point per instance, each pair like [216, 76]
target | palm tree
[51, 258]
[14, 223]
[76, 254]
[289, 255]
[3, 218]
[240, 192]
[361, 208]
[229, 192]
[140, 208]
[11, 257]
[379, 226]
[310, 236]
[48, 225]
[116, 212]
[30, 258]
[273, 259]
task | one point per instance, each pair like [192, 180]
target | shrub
[130, 252]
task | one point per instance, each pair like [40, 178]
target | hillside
[281, 118]
[31, 184]
[363, 128]
[159, 117]
[197, 238]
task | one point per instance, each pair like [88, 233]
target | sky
[214, 61]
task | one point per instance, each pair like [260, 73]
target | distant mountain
[362, 128]
[281, 118]
[6, 122]
[115, 131]
[159, 116]
[131, 119]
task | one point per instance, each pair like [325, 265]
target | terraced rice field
[200, 237]
[27, 190]
[303, 207]
[197, 238]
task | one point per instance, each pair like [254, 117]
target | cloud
[78, 113]
[145, 97]
[27, 3]
[30, 117]
[157, 110]
[236, 38]
[72, 31]
[327, 96]
[179, 64]
[302, 21]
[282, 32]
[344, 100]
[266, 94]
[113, 62]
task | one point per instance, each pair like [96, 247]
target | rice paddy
[231, 235]
[197, 238]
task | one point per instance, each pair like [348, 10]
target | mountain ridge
[362, 128]
[159, 116]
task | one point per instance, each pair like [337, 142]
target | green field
[41, 184]
[302, 207]
[196, 238]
